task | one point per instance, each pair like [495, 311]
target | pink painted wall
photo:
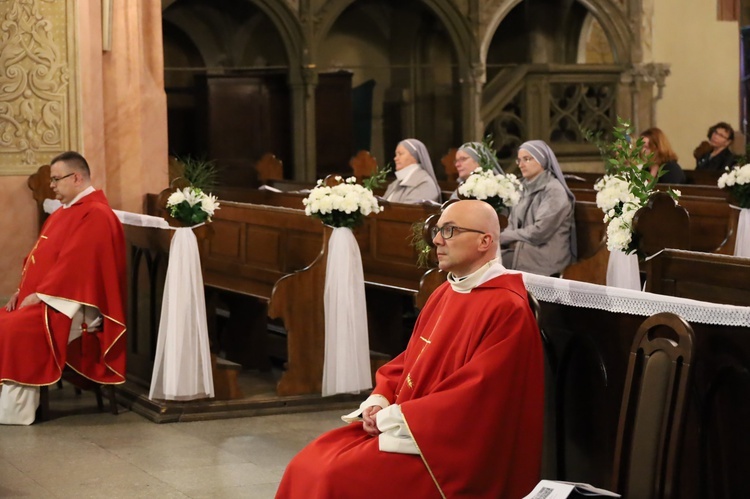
[123, 122]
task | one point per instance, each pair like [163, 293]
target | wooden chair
[449, 164]
[39, 183]
[269, 167]
[363, 164]
[653, 408]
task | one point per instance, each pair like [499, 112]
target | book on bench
[553, 489]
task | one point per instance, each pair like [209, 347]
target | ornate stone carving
[35, 86]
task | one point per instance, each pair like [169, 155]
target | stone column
[123, 105]
[471, 101]
[303, 110]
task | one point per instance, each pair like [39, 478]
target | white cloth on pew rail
[182, 366]
[627, 301]
[742, 244]
[346, 368]
[623, 271]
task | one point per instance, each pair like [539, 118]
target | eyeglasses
[447, 231]
[527, 159]
[55, 180]
[725, 137]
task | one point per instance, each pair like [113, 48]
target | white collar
[88, 190]
[404, 173]
[488, 271]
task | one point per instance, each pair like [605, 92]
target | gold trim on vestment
[117, 338]
[424, 460]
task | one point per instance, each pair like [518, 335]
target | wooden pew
[593, 255]
[700, 276]
[257, 246]
[588, 351]
[713, 223]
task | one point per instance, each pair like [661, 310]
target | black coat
[717, 163]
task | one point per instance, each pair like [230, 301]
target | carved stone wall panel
[38, 83]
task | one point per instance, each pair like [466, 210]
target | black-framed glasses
[55, 180]
[447, 231]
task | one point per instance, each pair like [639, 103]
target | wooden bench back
[700, 276]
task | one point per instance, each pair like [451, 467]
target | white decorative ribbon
[742, 244]
[347, 350]
[623, 271]
[182, 366]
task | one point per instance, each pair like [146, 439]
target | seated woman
[715, 154]
[469, 157]
[415, 178]
[655, 142]
[540, 237]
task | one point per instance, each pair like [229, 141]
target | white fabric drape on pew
[182, 366]
[626, 301]
[622, 271]
[347, 350]
[742, 244]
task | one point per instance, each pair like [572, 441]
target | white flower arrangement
[737, 181]
[192, 206]
[500, 191]
[342, 205]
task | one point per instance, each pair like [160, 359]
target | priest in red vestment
[69, 308]
[460, 412]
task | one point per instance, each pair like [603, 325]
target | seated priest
[460, 412]
[68, 308]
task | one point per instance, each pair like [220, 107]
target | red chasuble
[471, 389]
[80, 257]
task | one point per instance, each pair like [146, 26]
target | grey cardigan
[540, 226]
[413, 189]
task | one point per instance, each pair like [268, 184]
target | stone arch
[454, 21]
[609, 13]
[290, 30]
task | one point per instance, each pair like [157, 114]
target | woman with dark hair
[540, 237]
[415, 177]
[655, 142]
[715, 154]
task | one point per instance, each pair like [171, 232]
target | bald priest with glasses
[459, 413]
[68, 308]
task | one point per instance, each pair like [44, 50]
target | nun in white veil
[415, 177]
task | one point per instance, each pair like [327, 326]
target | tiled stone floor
[83, 453]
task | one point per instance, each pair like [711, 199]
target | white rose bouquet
[500, 191]
[626, 188]
[192, 206]
[737, 181]
[342, 205]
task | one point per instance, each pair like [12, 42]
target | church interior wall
[703, 87]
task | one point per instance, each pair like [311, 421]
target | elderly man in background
[460, 412]
[68, 308]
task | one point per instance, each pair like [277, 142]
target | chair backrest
[363, 165]
[269, 167]
[653, 406]
[449, 163]
[39, 183]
